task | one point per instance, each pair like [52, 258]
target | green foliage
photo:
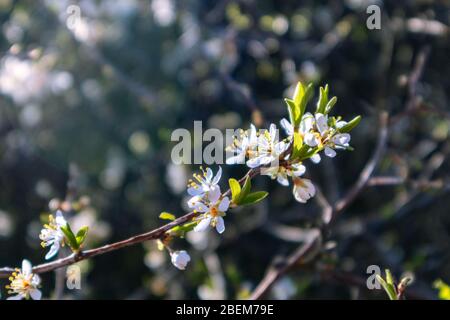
[180, 231]
[351, 124]
[388, 285]
[167, 216]
[81, 235]
[323, 100]
[444, 289]
[297, 105]
[242, 196]
[74, 241]
[254, 197]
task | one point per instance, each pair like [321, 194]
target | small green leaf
[297, 105]
[307, 95]
[350, 125]
[323, 100]
[330, 104]
[70, 237]
[254, 197]
[297, 146]
[81, 235]
[181, 230]
[167, 216]
[390, 290]
[444, 289]
[246, 188]
[293, 111]
[299, 93]
[235, 188]
[389, 278]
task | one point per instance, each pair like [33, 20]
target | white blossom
[213, 211]
[180, 259]
[281, 173]
[303, 189]
[269, 148]
[204, 183]
[243, 146]
[52, 235]
[24, 284]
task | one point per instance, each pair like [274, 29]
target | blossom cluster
[308, 135]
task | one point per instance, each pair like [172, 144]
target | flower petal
[287, 126]
[329, 152]
[60, 221]
[220, 225]
[224, 204]
[321, 123]
[26, 267]
[35, 294]
[282, 179]
[298, 169]
[311, 189]
[214, 194]
[53, 251]
[209, 174]
[16, 297]
[310, 139]
[218, 176]
[315, 158]
[194, 191]
[203, 224]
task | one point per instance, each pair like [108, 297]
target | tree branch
[155, 234]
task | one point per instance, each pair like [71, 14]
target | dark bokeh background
[95, 102]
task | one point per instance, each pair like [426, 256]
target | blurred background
[90, 92]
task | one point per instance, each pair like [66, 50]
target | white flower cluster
[307, 135]
[317, 132]
[263, 149]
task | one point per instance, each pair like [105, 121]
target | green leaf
[297, 146]
[254, 197]
[444, 289]
[71, 239]
[390, 290]
[246, 188]
[181, 230]
[307, 95]
[297, 105]
[389, 278]
[237, 194]
[323, 100]
[235, 188]
[299, 93]
[167, 216]
[81, 235]
[293, 111]
[350, 125]
[330, 104]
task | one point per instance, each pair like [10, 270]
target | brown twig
[155, 234]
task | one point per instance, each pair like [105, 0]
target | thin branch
[155, 234]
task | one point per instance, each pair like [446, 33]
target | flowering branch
[263, 152]
[154, 234]
[311, 246]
